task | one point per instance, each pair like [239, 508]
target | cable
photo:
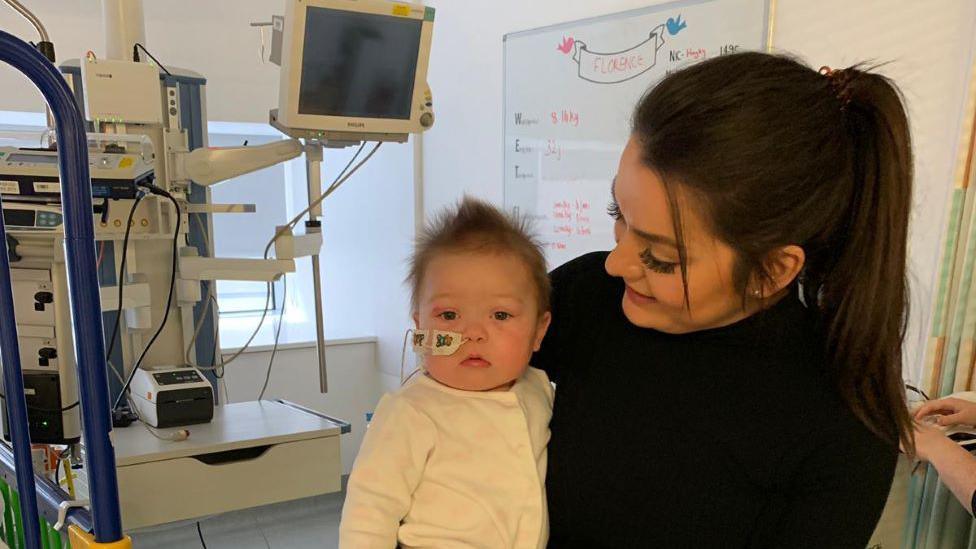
[200, 533]
[274, 348]
[203, 316]
[169, 299]
[57, 474]
[197, 328]
[335, 185]
[351, 160]
[917, 390]
[177, 436]
[46, 410]
[403, 359]
[120, 281]
[135, 56]
[332, 188]
[115, 371]
[284, 293]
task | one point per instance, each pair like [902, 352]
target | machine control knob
[41, 299]
[48, 352]
[45, 355]
[427, 119]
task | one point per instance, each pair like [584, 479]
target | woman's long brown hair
[777, 153]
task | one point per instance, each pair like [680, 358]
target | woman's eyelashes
[647, 258]
[656, 265]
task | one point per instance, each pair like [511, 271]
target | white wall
[929, 49]
[212, 38]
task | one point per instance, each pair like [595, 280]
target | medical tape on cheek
[437, 342]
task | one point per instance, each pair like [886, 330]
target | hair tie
[840, 81]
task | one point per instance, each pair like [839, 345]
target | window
[245, 235]
[278, 193]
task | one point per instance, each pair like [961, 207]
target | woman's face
[646, 256]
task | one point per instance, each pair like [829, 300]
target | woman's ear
[782, 266]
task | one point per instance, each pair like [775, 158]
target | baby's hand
[947, 412]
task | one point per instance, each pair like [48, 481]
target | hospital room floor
[311, 523]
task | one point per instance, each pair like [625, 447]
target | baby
[457, 456]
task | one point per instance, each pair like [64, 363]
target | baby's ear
[416, 320]
[541, 328]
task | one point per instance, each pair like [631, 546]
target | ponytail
[863, 292]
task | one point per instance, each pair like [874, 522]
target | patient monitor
[353, 70]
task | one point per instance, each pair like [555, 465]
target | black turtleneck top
[729, 437]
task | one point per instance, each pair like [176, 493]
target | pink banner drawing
[611, 68]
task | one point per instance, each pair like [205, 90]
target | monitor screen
[18, 218]
[358, 64]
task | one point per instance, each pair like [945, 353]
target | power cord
[274, 348]
[336, 183]
[200, 533]
[918, 391]
[135, 56]
[169, 299]
[120, 280]
[284, 301]
[3, 396]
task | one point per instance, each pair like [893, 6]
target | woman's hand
[957, 469]
[948, 411]
[930, 442]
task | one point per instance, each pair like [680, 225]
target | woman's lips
[637, 297]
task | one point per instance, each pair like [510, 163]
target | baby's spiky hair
[476, 226]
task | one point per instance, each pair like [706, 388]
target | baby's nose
[475, 331]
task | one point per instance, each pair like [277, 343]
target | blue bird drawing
[676, 25]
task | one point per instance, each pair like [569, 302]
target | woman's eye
[501, 315]
[613, 210]
[656, 265]
[448, 315]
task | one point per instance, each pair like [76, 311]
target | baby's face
[490, 299]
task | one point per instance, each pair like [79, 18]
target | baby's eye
[448, 315]
[502, 315]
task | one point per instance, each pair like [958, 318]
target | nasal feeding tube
[431, 342]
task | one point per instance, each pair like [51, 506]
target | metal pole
[13, 382]
[313, 171]
[86, 310]
[124, 27]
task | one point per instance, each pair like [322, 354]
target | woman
[730, 374]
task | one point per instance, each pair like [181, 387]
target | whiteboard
[569, 93]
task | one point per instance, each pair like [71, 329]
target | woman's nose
[622, 262]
